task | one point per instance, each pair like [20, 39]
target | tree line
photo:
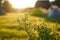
[5, 5]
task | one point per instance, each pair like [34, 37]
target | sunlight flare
[22, 3]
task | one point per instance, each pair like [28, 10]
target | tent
[2, 12]
[54, 15]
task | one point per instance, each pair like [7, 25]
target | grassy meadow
[20, 26]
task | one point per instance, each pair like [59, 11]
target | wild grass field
[21, 26]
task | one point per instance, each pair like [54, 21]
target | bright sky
[23, 3]
[51, 0]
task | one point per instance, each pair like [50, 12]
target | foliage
[37, 12]
[57, 0]
[7, 6]
[28, 28]
[0, 3]
[44, 33]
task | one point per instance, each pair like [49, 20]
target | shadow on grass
[55, 20]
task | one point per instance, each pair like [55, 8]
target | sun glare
[22, 3]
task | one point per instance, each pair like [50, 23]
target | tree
[7, 6]
[43, 3]
[57, 2]
[0, 3]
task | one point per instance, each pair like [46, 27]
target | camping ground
[10, 28]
